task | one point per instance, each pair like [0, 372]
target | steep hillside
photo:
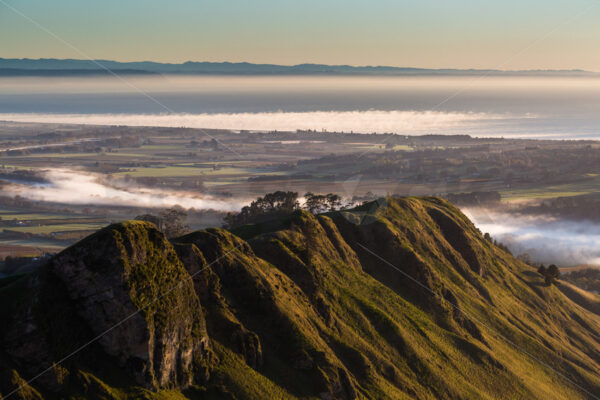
[399, 298]
[585, 299]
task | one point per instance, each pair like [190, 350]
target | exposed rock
[126, 287]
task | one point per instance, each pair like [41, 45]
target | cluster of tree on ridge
[550, 274]
[280, 203]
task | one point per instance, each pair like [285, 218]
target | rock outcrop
[123, 292]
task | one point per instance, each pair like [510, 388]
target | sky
[507, 34]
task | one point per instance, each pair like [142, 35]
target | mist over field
[545, 239]
[77, 187]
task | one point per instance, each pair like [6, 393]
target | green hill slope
[399, 298]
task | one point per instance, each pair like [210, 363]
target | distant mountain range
[69, 67]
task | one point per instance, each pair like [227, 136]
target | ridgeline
[400, 298]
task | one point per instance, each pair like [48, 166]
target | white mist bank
[81, 188]
[519, 107]
[378, 121]
[546, 240]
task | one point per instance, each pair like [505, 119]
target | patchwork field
[236, 167]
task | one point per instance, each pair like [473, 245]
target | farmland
[131, 171]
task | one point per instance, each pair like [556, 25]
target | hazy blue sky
[507, 34]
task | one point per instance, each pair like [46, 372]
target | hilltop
[399, 298]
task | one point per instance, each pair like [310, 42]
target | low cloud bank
[402, 122]
[76, 187]
[545, 239]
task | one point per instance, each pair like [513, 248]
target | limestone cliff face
[399, 298]
[128, 284]
[125, 286]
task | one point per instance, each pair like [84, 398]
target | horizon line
[356, 66]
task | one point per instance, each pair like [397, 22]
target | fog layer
[545, 239]
[494, 106]
[76, 187]
[359, 121]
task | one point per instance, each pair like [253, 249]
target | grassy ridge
[398, 298]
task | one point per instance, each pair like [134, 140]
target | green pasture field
[551, 191]
[85, 155]
[224, 182]
[366, 146]
[19, 167]
[190, 170]
[155, 147]
[34, 242]
[55, 155]
[162, 172]
[402, 147]
[9, 216]
[47, 229]
[209, 164]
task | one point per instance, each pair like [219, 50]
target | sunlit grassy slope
[399, 298]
